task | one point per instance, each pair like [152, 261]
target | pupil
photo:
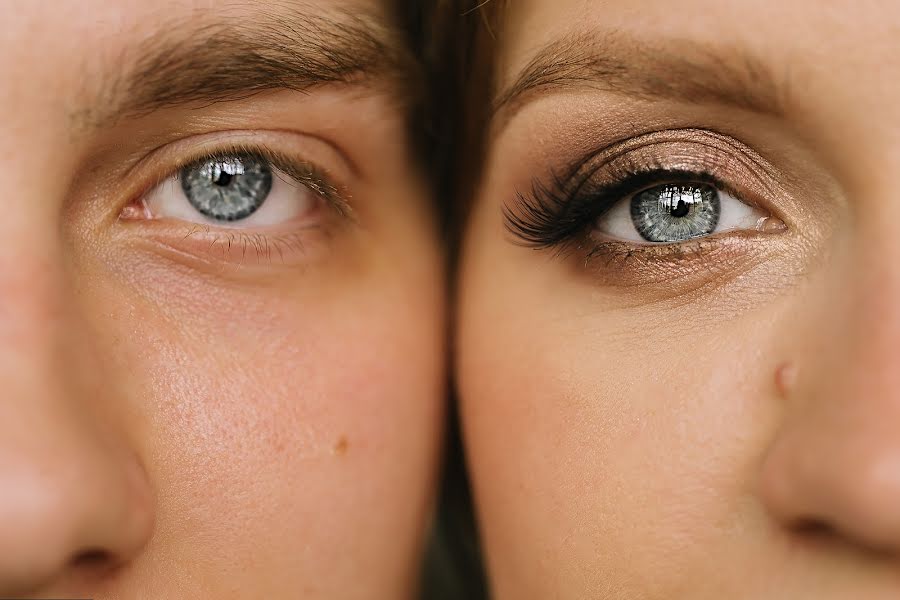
[229, 188]
[672, 213]
[680, 210]
[223, 178]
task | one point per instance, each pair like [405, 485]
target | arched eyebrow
[676, 69]
[209, 61]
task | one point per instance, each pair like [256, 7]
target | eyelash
[558, 214]
[259, 243]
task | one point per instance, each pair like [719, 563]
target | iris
[676, 212]
[227, 188]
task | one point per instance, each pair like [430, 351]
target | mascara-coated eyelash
[559, 213]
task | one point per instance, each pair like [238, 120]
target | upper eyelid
[233, 138]
[581, 172]
[599, 157]
[239, 133]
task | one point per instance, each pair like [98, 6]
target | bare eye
[676, 212]
[239, 190]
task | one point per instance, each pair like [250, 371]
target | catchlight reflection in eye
[227, 189]
[235, 191]
[676, 212]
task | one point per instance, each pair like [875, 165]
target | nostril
[813, 528]
[93, 561]
[811, 532]
[86, 569]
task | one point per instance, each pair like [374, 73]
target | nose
[74, 500]
[834, 464]
[66, 512]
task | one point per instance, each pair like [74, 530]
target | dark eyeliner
[558, 213]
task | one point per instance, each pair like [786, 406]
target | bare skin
[710, 417]
[196, 407]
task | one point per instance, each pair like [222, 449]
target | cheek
[274, 428]
[611, 449]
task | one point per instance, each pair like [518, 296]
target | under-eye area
[664, 202]
[248, 199]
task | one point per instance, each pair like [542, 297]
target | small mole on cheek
[340, 448]
[785, 378]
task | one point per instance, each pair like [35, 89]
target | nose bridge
[35, 317]
[866, 316]
[855, 315]
[865, 349]
[70, 486]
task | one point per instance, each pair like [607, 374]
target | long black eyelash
[559, 213]
[548, 216]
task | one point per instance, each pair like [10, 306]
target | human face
[678, 348]
[220, 303]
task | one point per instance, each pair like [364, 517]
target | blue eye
[237, 190]
[227, 189]
[676, 212]
[670, 213]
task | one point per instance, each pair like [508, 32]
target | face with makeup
[220, 303]
[678, 342]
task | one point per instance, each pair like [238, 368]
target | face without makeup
[677, 325]
[221, 328]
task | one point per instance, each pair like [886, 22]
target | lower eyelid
[677, 269]
[213, 245]
[212, 249]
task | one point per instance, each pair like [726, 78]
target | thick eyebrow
[675, 69]
[238, 58]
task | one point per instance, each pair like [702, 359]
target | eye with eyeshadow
[655, 192]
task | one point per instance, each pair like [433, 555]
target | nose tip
[69, 519]
[854, 494]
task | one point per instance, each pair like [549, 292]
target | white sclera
[617, 224]
[286, 201]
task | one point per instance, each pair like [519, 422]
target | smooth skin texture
[190, 410]
[720, 422]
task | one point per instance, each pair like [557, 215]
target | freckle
[785, 378]
[340, 448]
